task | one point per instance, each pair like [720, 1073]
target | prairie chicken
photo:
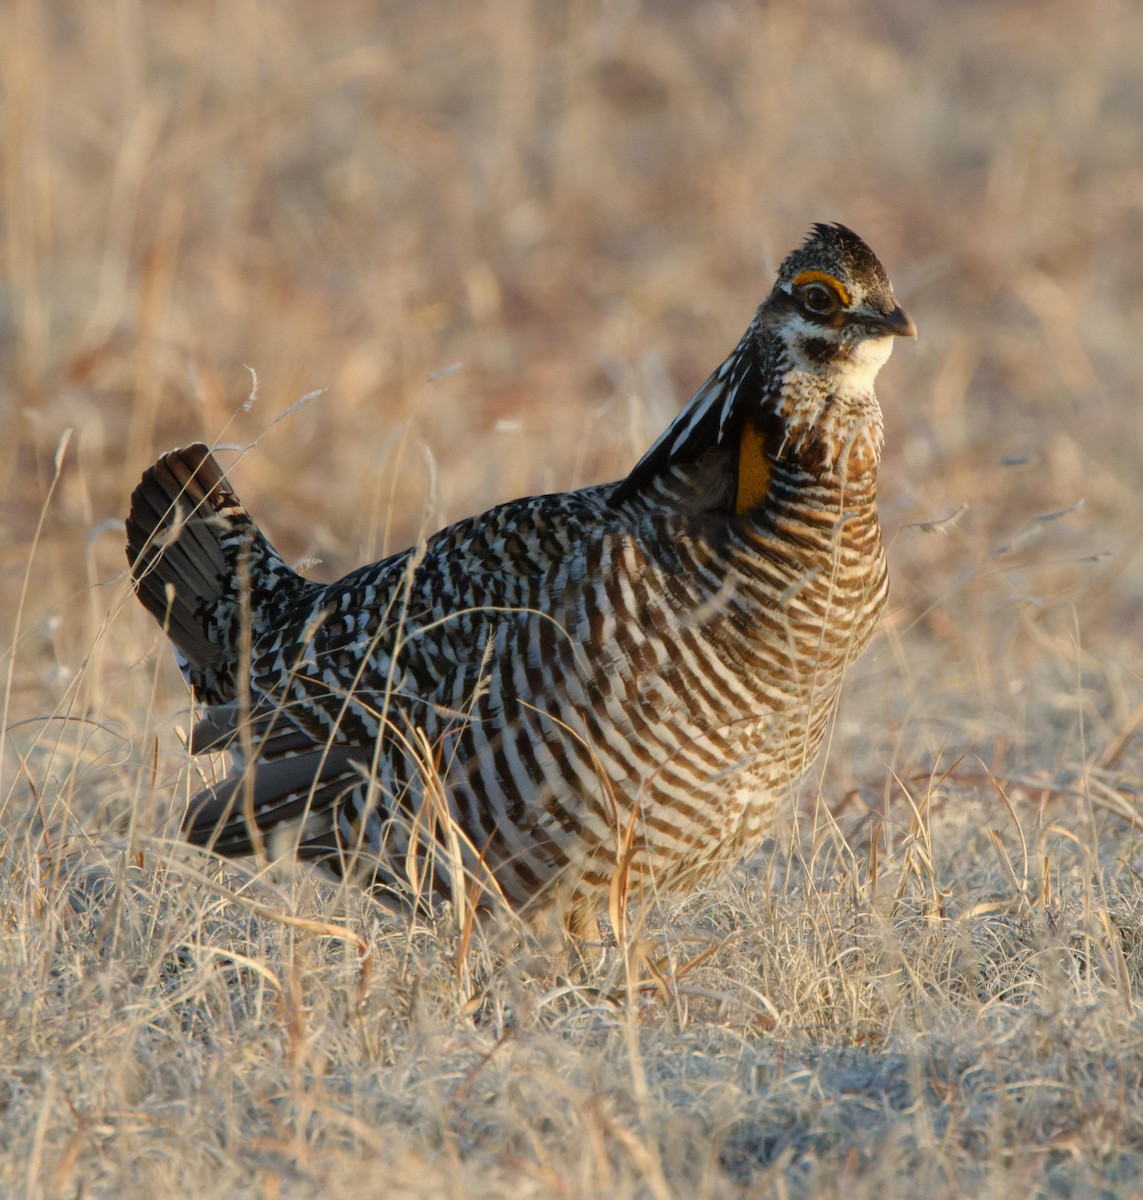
[630, 677]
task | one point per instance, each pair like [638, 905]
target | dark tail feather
[201, 567]
[303, 788]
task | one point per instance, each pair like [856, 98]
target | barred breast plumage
[626, 677]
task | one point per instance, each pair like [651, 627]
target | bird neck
[755, 468]
[756, 410]
[812, 435]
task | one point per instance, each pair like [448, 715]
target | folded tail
[203, 569]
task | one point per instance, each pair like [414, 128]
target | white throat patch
[867, 358]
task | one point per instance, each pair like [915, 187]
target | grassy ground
[928, 982]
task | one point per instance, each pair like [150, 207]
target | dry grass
[929, 983]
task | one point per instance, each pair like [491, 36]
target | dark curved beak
[898, 322]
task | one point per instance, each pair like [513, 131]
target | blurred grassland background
[509, 239]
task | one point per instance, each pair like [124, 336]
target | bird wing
[408, 634]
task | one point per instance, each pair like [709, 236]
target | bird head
[833, 308]
[799, 385]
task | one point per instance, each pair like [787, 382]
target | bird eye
[818, 298]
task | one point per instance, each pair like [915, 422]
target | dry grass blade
[1019, 884]
[326, 929]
